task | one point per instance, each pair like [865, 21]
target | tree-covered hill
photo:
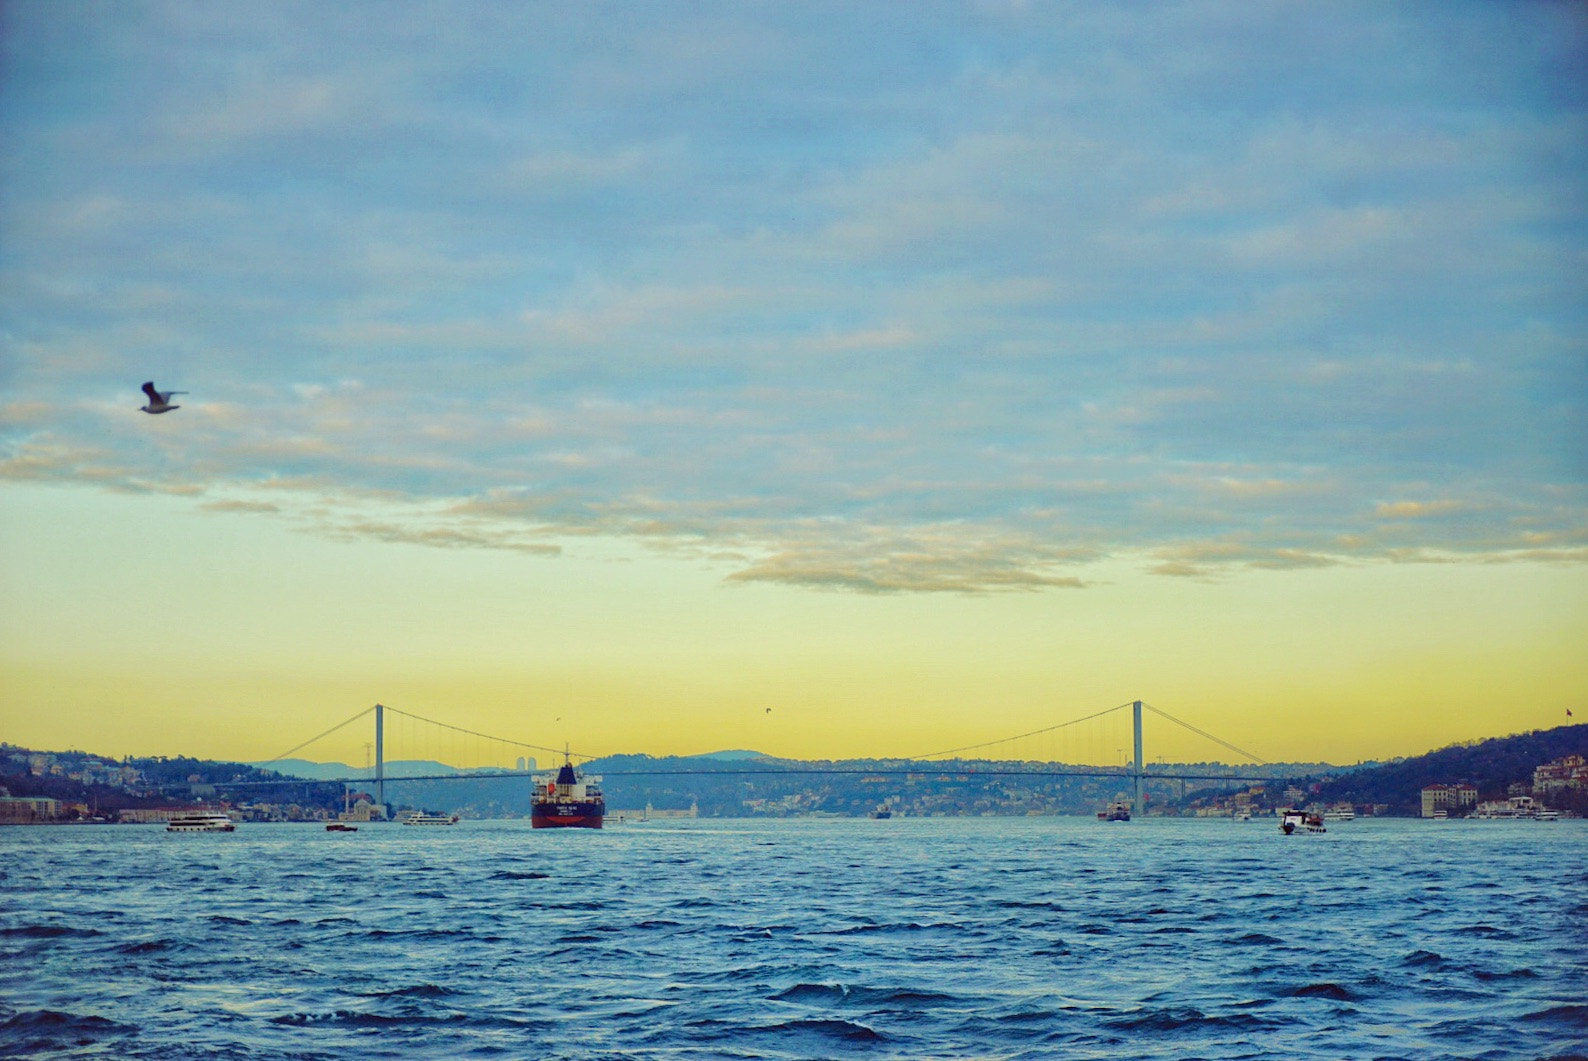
[1491, 765]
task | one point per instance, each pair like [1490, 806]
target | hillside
[1491, 765]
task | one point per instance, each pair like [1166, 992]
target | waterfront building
[1568, 772]
[1448, 798]
[26, 810]
[363, 810]
[151, 815]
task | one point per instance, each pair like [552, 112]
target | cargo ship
[569, 801]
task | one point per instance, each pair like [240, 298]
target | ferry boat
[568, 801]
[1118, 811]
[1291, 820]
[425, 818]
[1340, 812]
[882, 811]
[200, 823]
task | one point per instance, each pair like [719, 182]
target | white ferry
[422, 818]
[200, 823]
[1340, 812]
[1517, 807]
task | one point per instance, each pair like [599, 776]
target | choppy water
[943, 938]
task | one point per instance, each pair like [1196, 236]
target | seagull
[159, 402]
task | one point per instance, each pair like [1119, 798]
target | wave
[416, 991]
[1253, 939]
[48, 932]
[1187, 1018]
[154, 946]
[865, 996]
[1573, 1015]
[1485, 932]
[45, 1032]
[830, 1029]
[1513, 974]
[1423, 957]
[508, 874]
[872, 926]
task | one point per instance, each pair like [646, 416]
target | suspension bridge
[1034, 753]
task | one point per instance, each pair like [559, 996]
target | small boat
[882, 812]
[340, 827]
[200, 823]
[1291, 820]
[1118, 811]
[419, 817]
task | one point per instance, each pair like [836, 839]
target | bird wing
[148, 388]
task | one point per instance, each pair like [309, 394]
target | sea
[985, 938]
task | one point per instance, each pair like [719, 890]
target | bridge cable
[311, 740]
[1033, 733]
[1209, 736]
[487, 736]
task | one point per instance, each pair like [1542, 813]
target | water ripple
[908, 939]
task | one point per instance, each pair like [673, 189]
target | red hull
[538, 820]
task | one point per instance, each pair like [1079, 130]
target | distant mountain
[730, 756]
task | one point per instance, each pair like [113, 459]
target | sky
[825, 379]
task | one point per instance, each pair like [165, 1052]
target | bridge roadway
[920, 771]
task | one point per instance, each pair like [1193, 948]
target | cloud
[1416, 509]
[929, 559]
[1015, 289]
[253, 507]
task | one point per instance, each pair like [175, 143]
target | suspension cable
[311, 740]
[1033, 733]
[1209, 736]
[487, 736]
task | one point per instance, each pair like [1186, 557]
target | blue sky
[891, 298]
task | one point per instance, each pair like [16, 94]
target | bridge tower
[380, 753]
[1136, 809]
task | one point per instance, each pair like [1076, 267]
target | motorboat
[1291, 821]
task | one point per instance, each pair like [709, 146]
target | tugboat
[568, 802]
[1118, 811]
[1291, 820]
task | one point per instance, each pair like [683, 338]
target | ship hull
[567, 815]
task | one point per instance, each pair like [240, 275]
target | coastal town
[75, 787]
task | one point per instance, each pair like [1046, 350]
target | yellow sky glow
[140, 625]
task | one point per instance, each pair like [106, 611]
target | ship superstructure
[568, 800]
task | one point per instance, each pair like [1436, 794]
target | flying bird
[159, 401]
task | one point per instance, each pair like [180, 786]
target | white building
[1448, 798]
